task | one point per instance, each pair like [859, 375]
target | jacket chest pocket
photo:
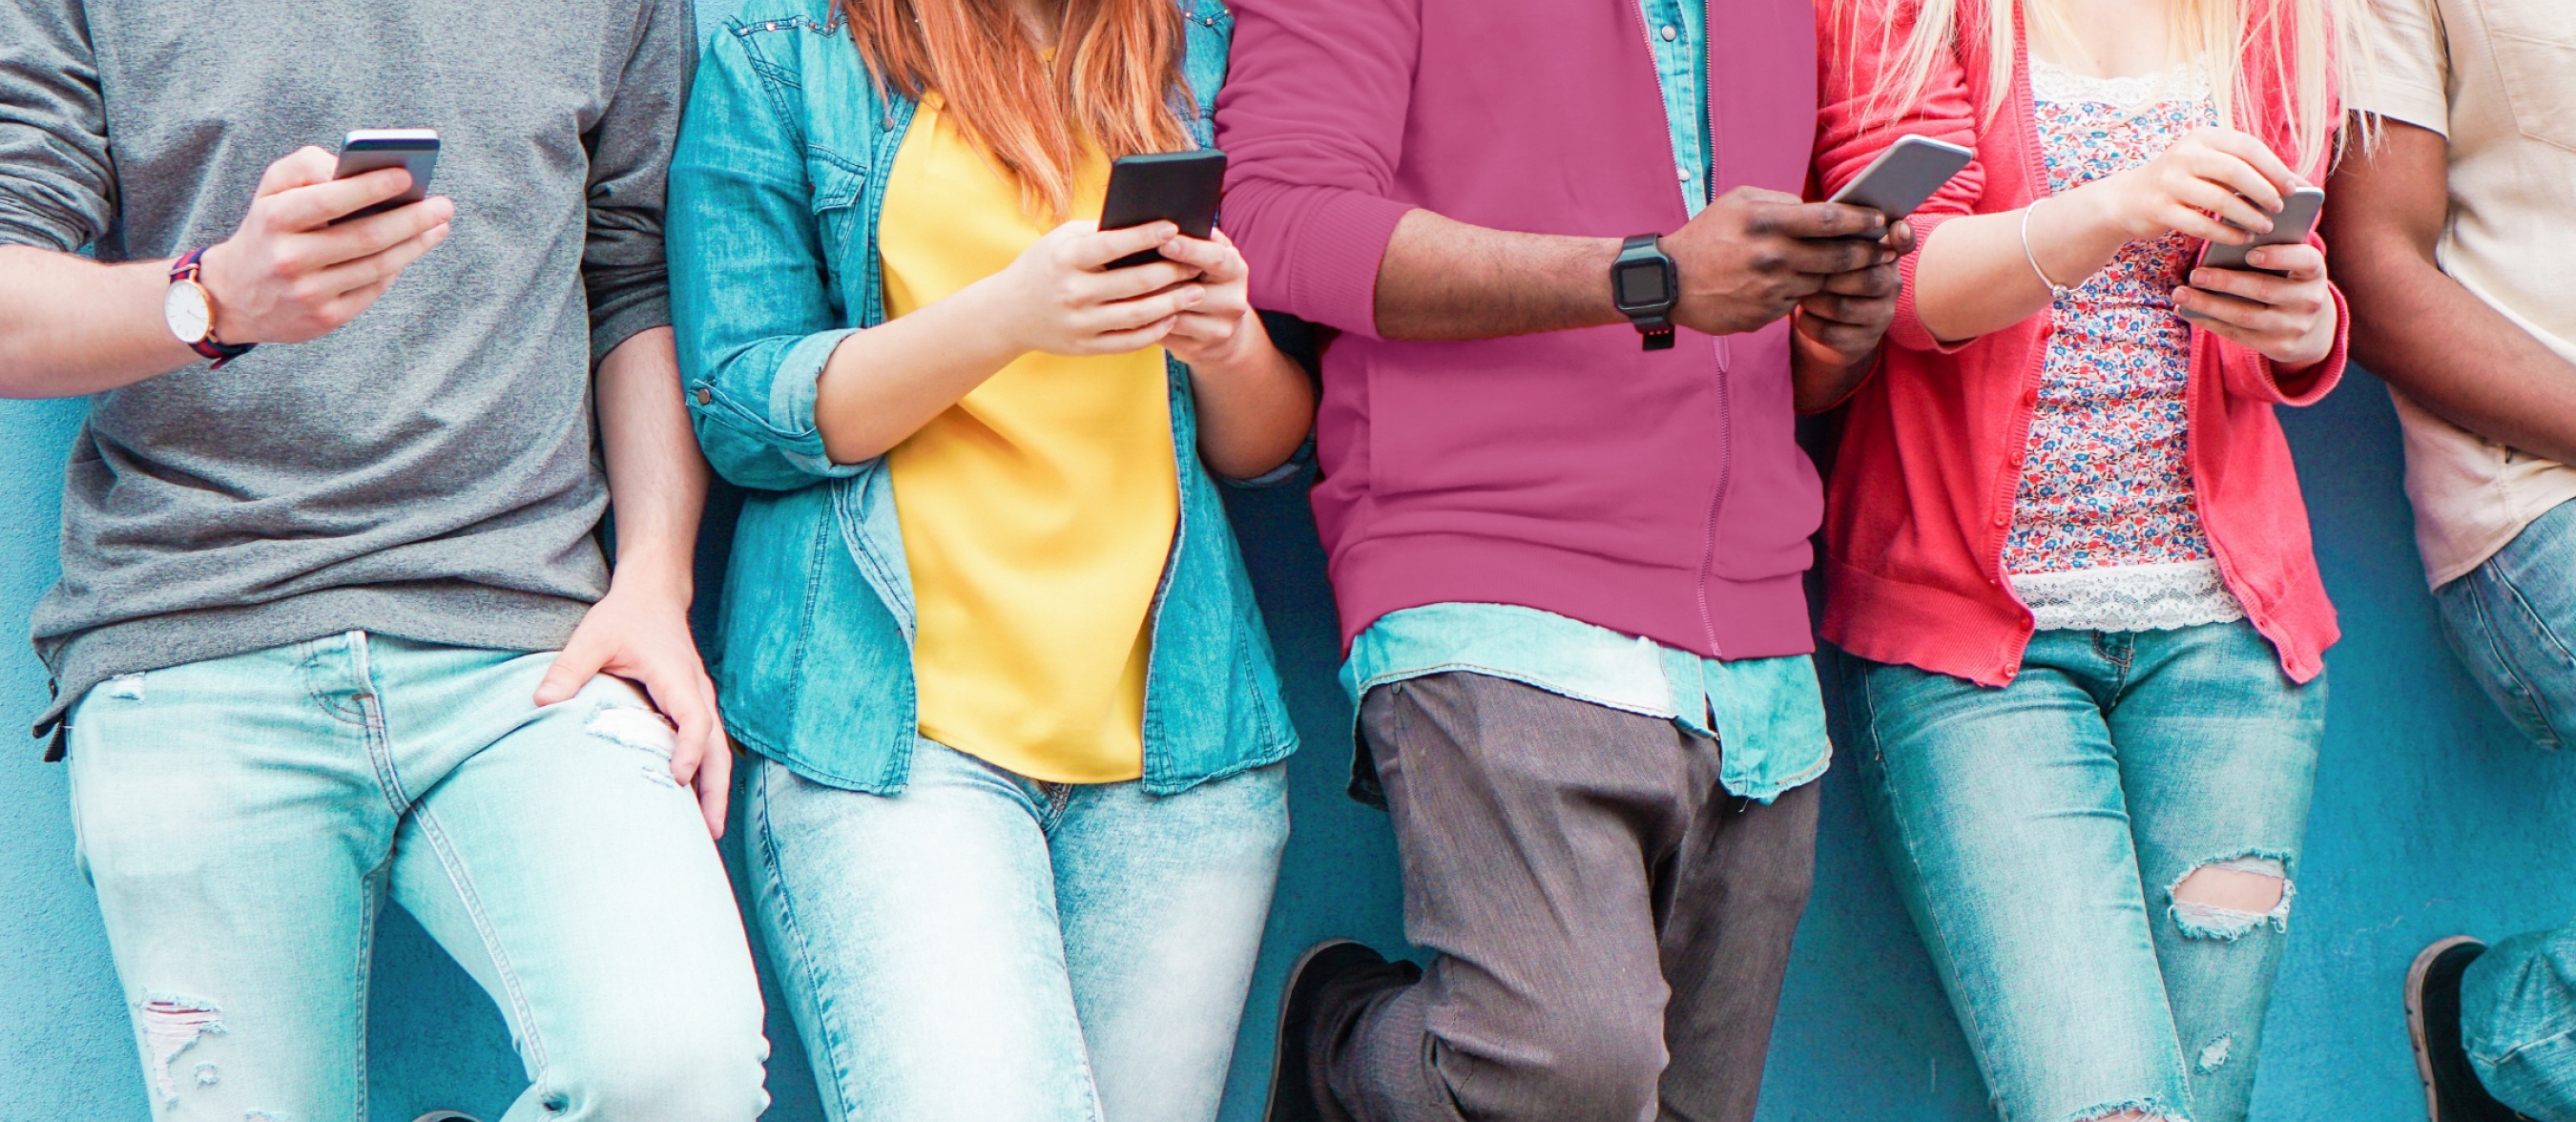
[2534, 45]
[838, 184]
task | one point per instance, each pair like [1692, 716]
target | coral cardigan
[1921, 497]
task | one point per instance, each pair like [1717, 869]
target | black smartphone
[413, 150]
[1181, 188]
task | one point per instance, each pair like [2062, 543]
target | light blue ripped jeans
[986, 948]
[2038, 831]
[243, 819]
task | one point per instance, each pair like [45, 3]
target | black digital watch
[1644, 286]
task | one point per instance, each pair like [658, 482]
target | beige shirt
[2498, 78]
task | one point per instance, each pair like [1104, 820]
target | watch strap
[1654, 325]
[187, 269]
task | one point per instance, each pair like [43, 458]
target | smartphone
[1902, 177]
[2297, 220]
[1181, 188]
[414, 150]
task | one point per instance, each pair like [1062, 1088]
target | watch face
[1641, 285]
[185, 309]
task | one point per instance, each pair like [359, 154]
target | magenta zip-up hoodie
[1653, 493]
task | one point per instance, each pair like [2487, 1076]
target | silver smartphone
[2300, 210]
[1902, 177]
[413, 150]
[2297, 220]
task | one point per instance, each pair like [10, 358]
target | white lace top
[2106, 533]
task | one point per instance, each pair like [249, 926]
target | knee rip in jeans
[2214, 1054]
[642, 729]
[172, 1024]
[2134, 1110]
[2227, 908]
[126, 687]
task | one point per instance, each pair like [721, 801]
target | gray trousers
[1610, 925]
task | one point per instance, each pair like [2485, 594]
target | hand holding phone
[413, 150]
[2283, 308]
[1181, 188]
[2300, 210]
[291, 273]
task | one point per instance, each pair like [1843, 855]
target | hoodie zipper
[1725, 397]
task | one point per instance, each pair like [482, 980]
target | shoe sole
[2415, 1029]
[1288, 993]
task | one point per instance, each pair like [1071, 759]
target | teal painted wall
[2431, 817]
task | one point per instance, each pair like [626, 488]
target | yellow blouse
[1038, 510]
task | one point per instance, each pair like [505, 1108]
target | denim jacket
[775, 194]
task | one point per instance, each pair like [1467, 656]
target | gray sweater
[427, 471]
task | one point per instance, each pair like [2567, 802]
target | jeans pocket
[2509, 650]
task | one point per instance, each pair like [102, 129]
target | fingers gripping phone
[2300, 210]
[1905, 175]
[1181, 188]
[413, 150]
[2298, 219]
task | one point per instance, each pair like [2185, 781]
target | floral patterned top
[2105, 533]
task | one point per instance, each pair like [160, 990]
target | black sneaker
[1296, 1095]
[2452, 1092]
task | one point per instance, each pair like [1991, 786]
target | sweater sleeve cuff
[28, 226]
[1327, 269]
[626, 322]
[2310, 385]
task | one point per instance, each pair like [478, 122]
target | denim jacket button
[1670, 34]
[705, 395]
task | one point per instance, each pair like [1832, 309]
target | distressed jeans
[2511, 619]
[244, 819]
[2038, 832]
[983, 947]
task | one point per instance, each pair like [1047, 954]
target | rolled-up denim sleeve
[57, 184]
[751, 296]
